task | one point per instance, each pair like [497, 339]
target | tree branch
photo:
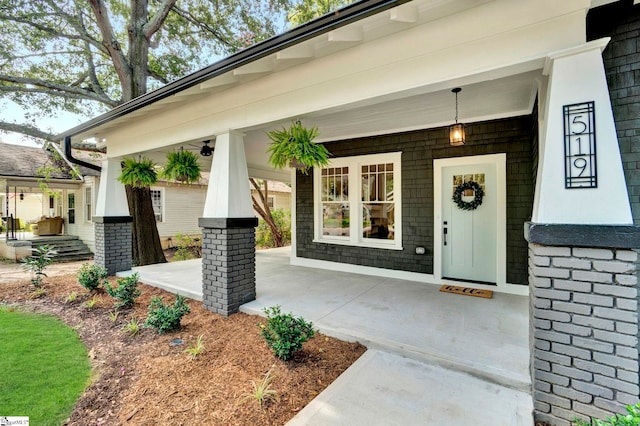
[27, 129]
[110, 42]
[50, 88]
[156, 22]
[54, 32]
[157, 76]
[192, 19]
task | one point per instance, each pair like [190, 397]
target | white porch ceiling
[492, 99]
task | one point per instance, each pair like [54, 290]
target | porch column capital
[228, 192]
[112, 197]
[580, 175]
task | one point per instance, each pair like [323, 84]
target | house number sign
[580, 146]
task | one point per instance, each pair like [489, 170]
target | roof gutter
[326, 23]
[69, 156]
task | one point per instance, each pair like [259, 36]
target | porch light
[206, 150]
[456, 131]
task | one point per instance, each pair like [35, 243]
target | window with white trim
[357, 201]
[158, 205]
[71, 207]
[88, 203]
[271, 201]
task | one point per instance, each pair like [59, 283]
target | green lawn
[43, 367]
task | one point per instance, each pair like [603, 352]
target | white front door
[469, 238]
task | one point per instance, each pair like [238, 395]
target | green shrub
[91, 276]
[165, 318]
[630, 419]
[37, 263]
[126, 292]
[187, 247]
[264, 236]
[284, 333]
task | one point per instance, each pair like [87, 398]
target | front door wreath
[478, 194]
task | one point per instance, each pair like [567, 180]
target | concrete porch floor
[470, 354]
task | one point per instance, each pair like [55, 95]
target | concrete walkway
[435, 358]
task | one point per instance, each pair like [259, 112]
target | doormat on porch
[467, 291]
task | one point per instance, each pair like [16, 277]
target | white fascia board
[441, 51]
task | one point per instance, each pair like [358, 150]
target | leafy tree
[307, 10]
[262, 207]
[87, 56]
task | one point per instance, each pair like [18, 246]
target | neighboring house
[560, 186]
[278, 195]
[177, 206]
[69, 195]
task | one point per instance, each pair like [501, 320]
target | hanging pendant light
[206, 150]
[456, 131]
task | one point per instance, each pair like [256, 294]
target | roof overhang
[376, 67]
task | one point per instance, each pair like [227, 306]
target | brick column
[113, 243]
[228, 263]
[584, 321]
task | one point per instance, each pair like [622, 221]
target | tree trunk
[146, 247]
[265, 212]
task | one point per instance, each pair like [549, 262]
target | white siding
[183, 206]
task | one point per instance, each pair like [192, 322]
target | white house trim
[521, 290]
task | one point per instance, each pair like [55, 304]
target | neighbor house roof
[352, 13]
[17, 161]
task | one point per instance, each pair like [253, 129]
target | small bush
[264, 236]
[132, 327]
[72, 297]
[196, 349]
[631, 419]
[126, 292]
[42, 257]
[187, 247]
[284, 333]
[92, 303]
[91, 276]
[165, 318]
[262, 392]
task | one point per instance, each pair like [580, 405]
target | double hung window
[357, 201]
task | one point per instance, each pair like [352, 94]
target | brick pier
[584, 331]
[228, 263]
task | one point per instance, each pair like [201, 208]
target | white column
[228, 192]
[576, 76]
[112, 197]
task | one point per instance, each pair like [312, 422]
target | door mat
[467, 291]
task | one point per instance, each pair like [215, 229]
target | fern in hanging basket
[182, 166]
[294, 147]
[138, 173]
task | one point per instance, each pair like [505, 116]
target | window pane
[389, 187]
[345, 187]
[378, 221]
[335, 219]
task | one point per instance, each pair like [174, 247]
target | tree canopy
[87, 56]
[306, 10]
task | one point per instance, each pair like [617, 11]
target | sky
[12, 112]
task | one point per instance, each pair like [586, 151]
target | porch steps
[68, 247]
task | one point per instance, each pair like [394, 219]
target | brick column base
[113, 243]
[228, 263]
[584, 328]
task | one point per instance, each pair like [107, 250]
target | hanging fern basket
[182, 166]
[294, 147]
[138, 173]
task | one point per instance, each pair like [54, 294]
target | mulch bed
[142, 380]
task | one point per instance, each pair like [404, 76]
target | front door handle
[444, 233]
